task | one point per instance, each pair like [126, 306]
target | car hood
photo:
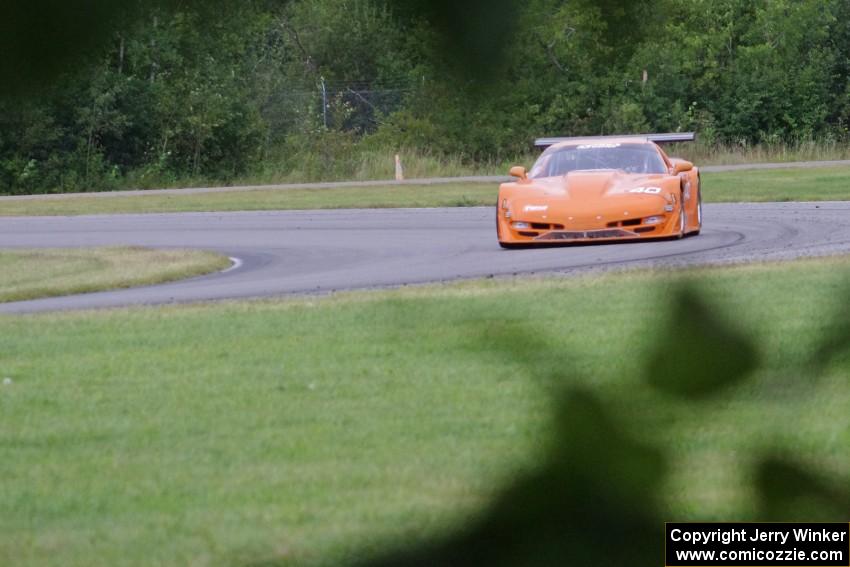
[589, 194]
[594, 184]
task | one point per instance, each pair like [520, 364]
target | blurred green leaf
[836, 338]
[40, 39]
[472, 35]
[698, 354]
[595, 486]
[788, 492]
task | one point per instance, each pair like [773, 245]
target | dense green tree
[166, 91]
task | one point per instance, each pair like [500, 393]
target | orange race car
[602, 188]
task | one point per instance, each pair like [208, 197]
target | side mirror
[519, 172]
[681, 166]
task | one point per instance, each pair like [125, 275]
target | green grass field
[313, 430]
[30, 274]
[827, 184]
[758, 185]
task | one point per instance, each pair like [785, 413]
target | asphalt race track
[292, 252]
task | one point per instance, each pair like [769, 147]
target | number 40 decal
[649, 190]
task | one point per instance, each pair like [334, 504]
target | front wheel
[681, 220]
[512, 246]
[498, 231]
[699, 213]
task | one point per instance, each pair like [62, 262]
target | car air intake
[587, 234]
[629, 222]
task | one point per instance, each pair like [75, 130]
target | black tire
[699, 211]
[512, 246]
[681, 219]
[504, 245]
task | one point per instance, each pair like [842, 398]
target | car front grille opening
[587, 234]
[527, 233]
[606, 233]
[643, 229]
[628, 222]
[546, 226]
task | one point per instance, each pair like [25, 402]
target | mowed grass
[817, 184]
[314, 430]
[451, 195]
[34, 273]
[755, 185]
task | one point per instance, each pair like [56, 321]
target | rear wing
[657, 138]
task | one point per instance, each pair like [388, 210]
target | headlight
[653, 220]
[520, 225]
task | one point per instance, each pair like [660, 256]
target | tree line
[179, 94]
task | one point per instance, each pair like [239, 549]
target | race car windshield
[631, 158]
